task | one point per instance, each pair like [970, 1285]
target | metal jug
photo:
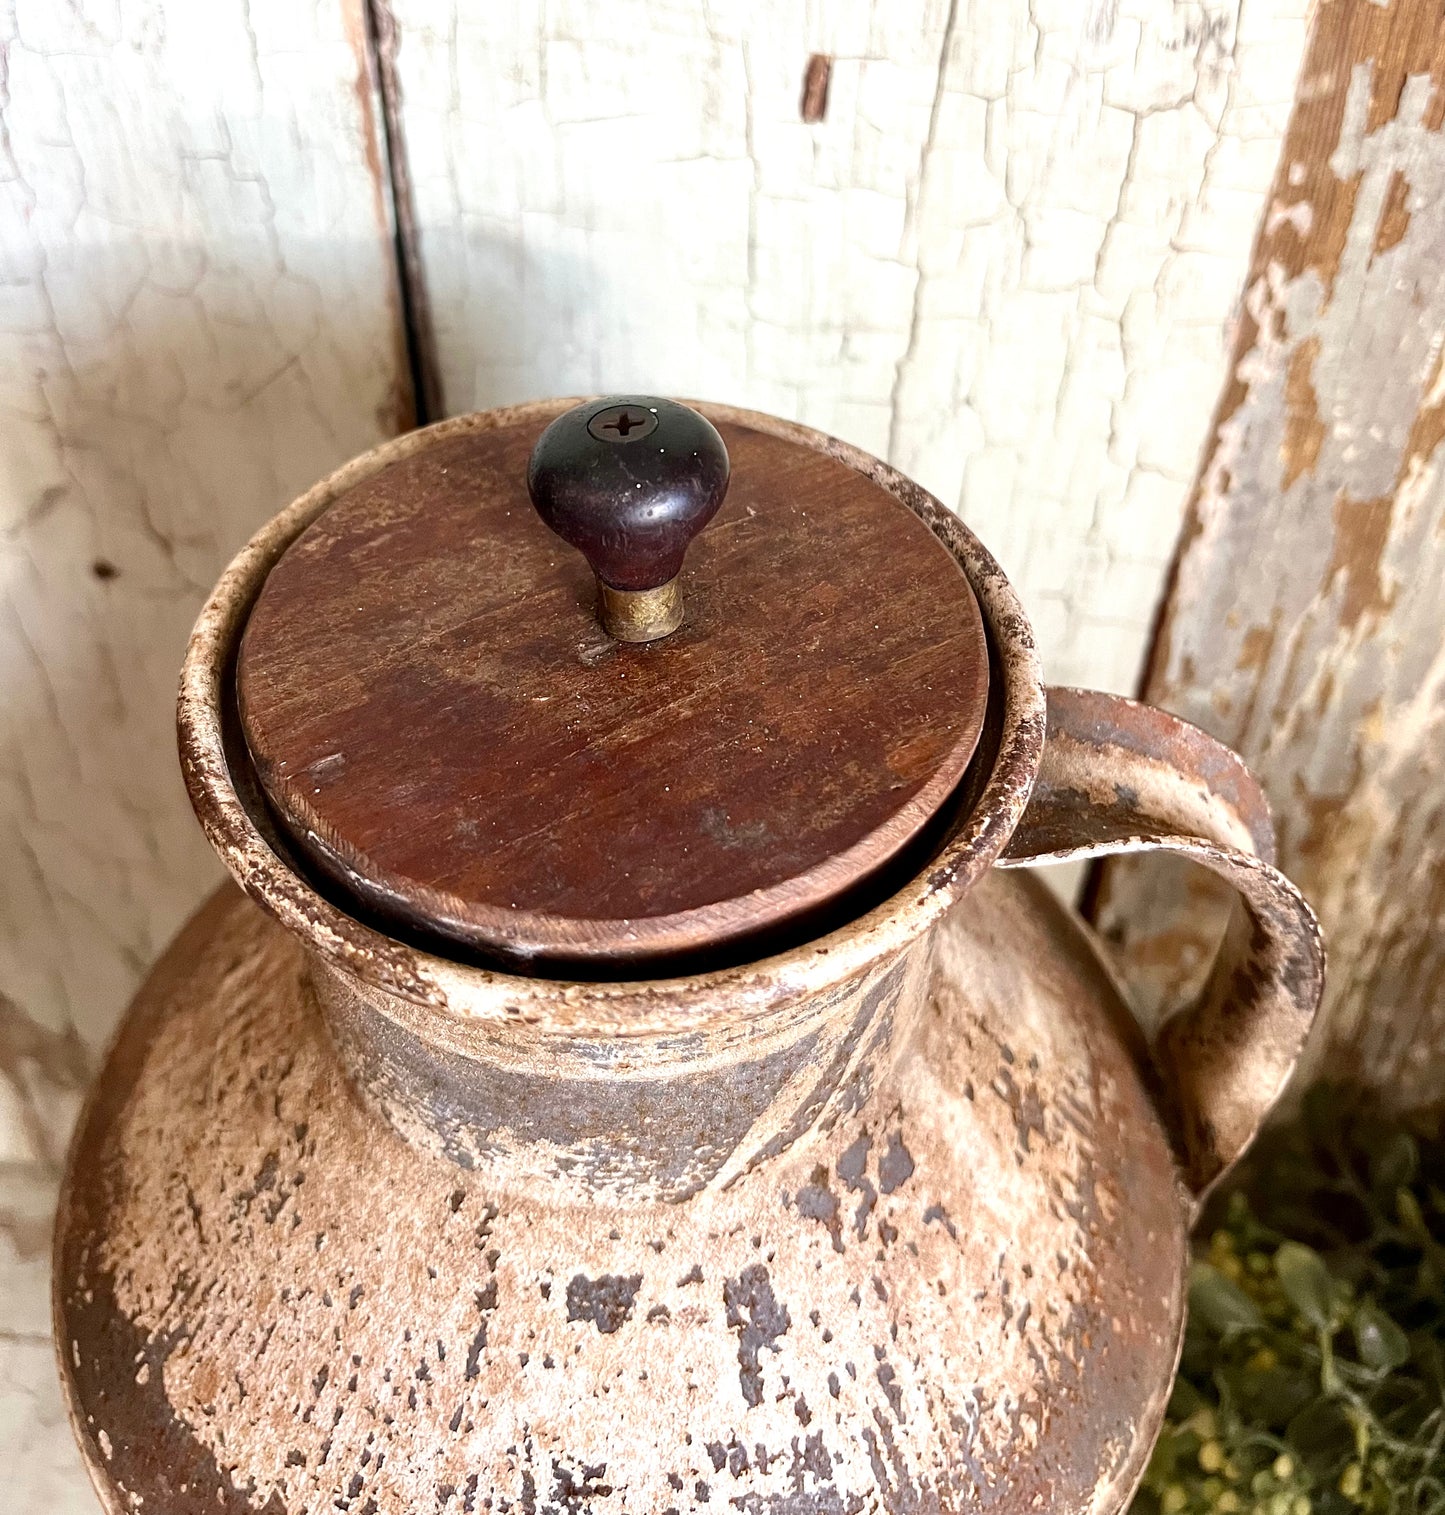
[846, 1185]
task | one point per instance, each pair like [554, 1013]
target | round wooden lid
[445, 731]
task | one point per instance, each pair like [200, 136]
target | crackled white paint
[1007, 259]
[1306, 625]
[40, 1469]
[196, 320]
[43, 1468]
[1076, 295]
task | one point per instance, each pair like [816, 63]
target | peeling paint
[377, 1324]
[1318, 516]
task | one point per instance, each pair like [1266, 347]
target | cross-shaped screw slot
[621, 423]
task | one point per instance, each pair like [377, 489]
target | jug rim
[227, 801]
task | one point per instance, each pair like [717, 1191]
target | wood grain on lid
[445, 731]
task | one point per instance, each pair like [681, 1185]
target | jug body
[961, 1281]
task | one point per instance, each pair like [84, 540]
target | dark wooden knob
[630, 480]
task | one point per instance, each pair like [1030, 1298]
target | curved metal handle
[1116, 777]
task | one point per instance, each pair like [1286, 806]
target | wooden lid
[447, 733]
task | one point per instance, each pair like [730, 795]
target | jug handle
[1120, 777]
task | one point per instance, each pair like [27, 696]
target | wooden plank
[200, 320]
[1005, 256]
[1306, 625]
[197, 319]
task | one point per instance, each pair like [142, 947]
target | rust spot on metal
[605, 1301]
[895, 1166]
[816, 1201]
[759, 1320]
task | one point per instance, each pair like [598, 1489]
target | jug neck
[648, 1118]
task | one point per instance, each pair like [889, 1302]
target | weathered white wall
[196, 319]
[1007, 259]
[1307, 624]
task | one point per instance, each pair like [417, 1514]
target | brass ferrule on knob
[639, 615]
[630, 480]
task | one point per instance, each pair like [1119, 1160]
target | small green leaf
[1306, 1283]
[1221, 1305]
[1316, 1342]
[1407, 1208]
[1381, 1342]
[1361, 1424]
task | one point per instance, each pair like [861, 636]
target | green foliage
[1313, 1374]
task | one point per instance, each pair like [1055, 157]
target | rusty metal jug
[634, 1072]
